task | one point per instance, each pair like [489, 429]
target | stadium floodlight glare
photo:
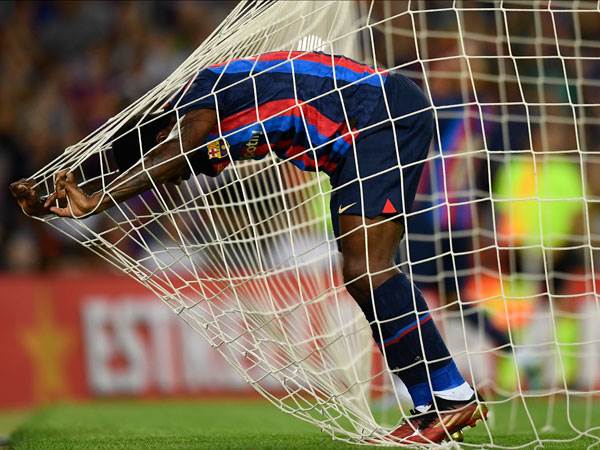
[249, 261]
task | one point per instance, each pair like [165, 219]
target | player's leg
[372, 189]
[402, 326]
[400, 320]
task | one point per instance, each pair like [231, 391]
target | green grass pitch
[250, 424]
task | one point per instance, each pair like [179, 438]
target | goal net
[501, 239]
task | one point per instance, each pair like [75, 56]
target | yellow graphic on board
[47, 343]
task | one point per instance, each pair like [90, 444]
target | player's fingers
[58, 195]
[16, 188]
[78, 199]
[70, 177]
[59, 179]
[64, 177]
[60, 174]
[51, 199]
[71, 188]
[61, 212]
[20, 188]
[61, 192]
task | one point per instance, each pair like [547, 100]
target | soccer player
[370, 131]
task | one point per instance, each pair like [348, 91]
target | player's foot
[431, 426]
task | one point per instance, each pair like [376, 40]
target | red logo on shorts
[389, 208]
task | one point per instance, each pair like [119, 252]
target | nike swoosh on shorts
[342, 209]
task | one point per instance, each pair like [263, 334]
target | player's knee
[356, 278]
[361, 280]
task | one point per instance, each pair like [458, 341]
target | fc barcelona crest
[217, 149]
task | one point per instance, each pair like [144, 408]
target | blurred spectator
[66, 67]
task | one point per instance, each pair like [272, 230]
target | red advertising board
[73, 336]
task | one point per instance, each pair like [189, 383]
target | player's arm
[163, 164]
[28, 197]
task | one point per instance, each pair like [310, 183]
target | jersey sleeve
[199, 94]
[210, 159]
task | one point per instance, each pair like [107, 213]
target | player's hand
[28, 197]
[72, 200]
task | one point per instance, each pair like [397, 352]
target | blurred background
[66, 67]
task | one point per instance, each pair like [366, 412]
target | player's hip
[398, 139]
[402, 105]
[380, 173]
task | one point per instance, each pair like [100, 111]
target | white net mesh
[501, 238]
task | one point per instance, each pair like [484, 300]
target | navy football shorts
[380, 176]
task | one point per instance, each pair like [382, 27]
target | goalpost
[501, 238]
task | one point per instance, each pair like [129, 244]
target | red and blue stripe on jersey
[287, 102]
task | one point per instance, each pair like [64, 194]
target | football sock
[462, 392]
[400, 310]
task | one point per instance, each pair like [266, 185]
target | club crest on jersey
[217, 149]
